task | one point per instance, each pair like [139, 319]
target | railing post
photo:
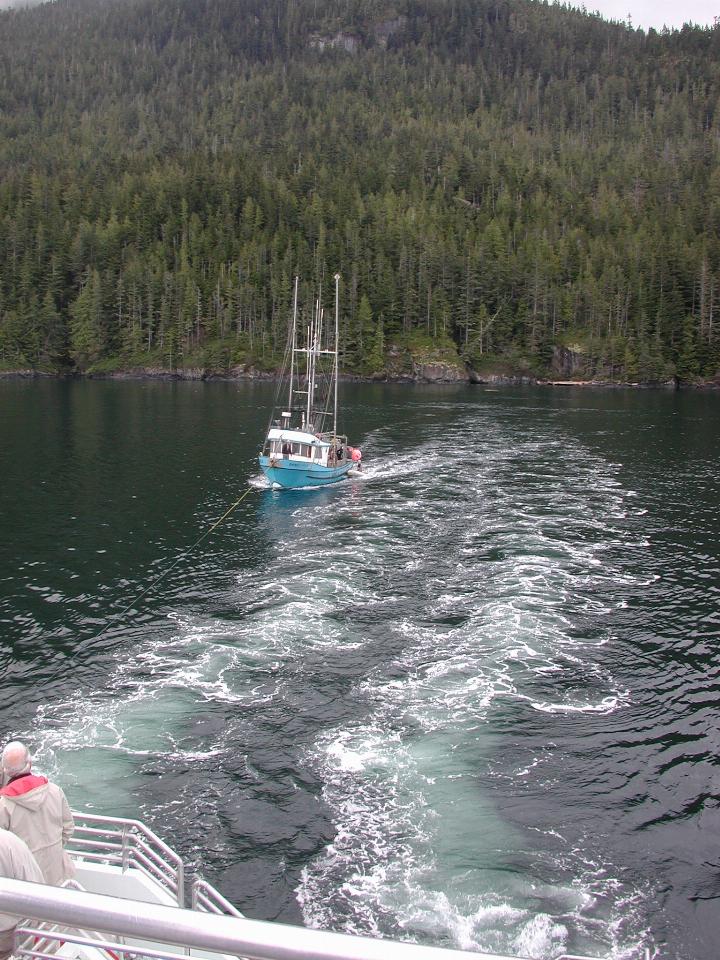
[181, 884]
[125, 849]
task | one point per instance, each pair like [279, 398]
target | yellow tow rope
[218, 522]
[172, 566]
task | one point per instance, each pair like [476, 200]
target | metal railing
[47, 939]
[148, 928]
[206, 899]
[110, 928]
[128, 843]
[109, 949]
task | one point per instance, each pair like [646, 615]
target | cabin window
[298, 450]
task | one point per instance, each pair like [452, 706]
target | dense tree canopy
[507, 176]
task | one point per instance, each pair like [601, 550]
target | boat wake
[413, 660]
[495, 607]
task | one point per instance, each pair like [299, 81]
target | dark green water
[469, 698]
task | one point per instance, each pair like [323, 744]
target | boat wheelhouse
[296, 458]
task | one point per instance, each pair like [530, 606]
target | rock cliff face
[569, 362]
[344, 41]
[414, 365]
[241, 371]
[498, 378]
[149, 373]
[439, 372]
[378, 34]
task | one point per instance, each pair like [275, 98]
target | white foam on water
[606, 705]
[539, 936]
[514, 578]
[151, 690]
[259, 482]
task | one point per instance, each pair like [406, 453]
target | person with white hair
[16, 863]
[36, 811]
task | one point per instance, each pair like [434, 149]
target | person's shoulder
[13, 843]
[55, 788]
[18, 858]
[57, 792]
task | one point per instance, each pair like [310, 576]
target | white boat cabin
[288, 444]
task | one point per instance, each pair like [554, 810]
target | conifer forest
[501, 182]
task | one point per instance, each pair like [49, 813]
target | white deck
[124, 860]
[130, 884]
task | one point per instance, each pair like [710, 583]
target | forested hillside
[509, 179]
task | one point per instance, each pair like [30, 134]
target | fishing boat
[303, 447]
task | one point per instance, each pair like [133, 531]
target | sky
[643, 13]
[655, 13]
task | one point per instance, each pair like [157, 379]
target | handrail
[112, 947]
[251, 939]
[205, 898]
[46, 941]
[140, 848]
[124, 821]
[128, 843]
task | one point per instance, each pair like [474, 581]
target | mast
[337, 337]
[312, 334]
[293, 345]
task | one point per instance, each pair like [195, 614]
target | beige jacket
[42, 818]
[16, 863]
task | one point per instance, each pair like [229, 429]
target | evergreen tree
[483, 176]
[86, 326]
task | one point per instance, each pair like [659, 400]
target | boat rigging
[300, 448]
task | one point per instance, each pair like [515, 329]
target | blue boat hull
[295, 474]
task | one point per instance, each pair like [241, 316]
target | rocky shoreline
[431, 373]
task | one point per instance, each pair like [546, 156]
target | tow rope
[183, 556]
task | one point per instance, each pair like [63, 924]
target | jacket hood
[27, 791]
